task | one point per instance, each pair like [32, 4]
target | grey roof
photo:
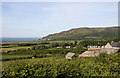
[109, 50]
[89, 54]
[70, 54]
[115, 44]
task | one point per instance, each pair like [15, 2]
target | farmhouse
[112, 47]
[70, 55]
[115, 45]
[109, 50]
[89, 54]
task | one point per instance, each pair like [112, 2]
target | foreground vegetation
[49, 59]
[103, 65]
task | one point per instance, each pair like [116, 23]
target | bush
[93, 66]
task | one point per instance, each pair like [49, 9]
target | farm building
[67, 46]
[109, 50]
[108, 45]
[70, 55]
[115, 45]
[48, 54]
[112, 47]
[89, 54]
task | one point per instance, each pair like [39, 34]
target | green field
[16, 61]
[15, 48]
[14, 56]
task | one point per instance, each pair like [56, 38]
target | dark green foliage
[75, 43]
[53, 45]
[62, 45]
[79, 49]
[86, 43]
[103, 65]
[39, 47]
[27, 44]
[34, 55]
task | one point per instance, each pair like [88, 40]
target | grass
[55, 41]
[15, 48]
[14, 56]
[33, 61]
[93, 37]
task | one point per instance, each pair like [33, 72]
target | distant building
[89, 53]
[92, 49]
[48, 54]
[70, 55]
[109, 48]
[112, 47]
[103, 47]
[33, 57]
[108, 45]
[115, 45]
[67, 46]
[58, 47]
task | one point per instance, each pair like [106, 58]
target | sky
[39, 19]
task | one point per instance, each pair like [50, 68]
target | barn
[70, 55]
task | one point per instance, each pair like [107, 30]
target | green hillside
[85, 34]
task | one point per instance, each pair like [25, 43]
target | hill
[85, 34]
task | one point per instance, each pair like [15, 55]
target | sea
[18, 39]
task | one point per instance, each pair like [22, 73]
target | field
[14, 56]
[50, 61]
[14, 48]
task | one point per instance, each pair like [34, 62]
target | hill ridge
[85, 33]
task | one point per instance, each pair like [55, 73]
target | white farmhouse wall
[108, 45]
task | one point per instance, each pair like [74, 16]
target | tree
[53, 45]
[75, 42]
[71, 45]
[79, 48]
[62, 45]
[33, 47]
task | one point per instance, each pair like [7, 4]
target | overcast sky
[38, 19]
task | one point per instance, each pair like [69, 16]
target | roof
[70, 54]
[115, 44]
[93, 49]
[88, 54]
[108, 45]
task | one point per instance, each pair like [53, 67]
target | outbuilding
[70, 55]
